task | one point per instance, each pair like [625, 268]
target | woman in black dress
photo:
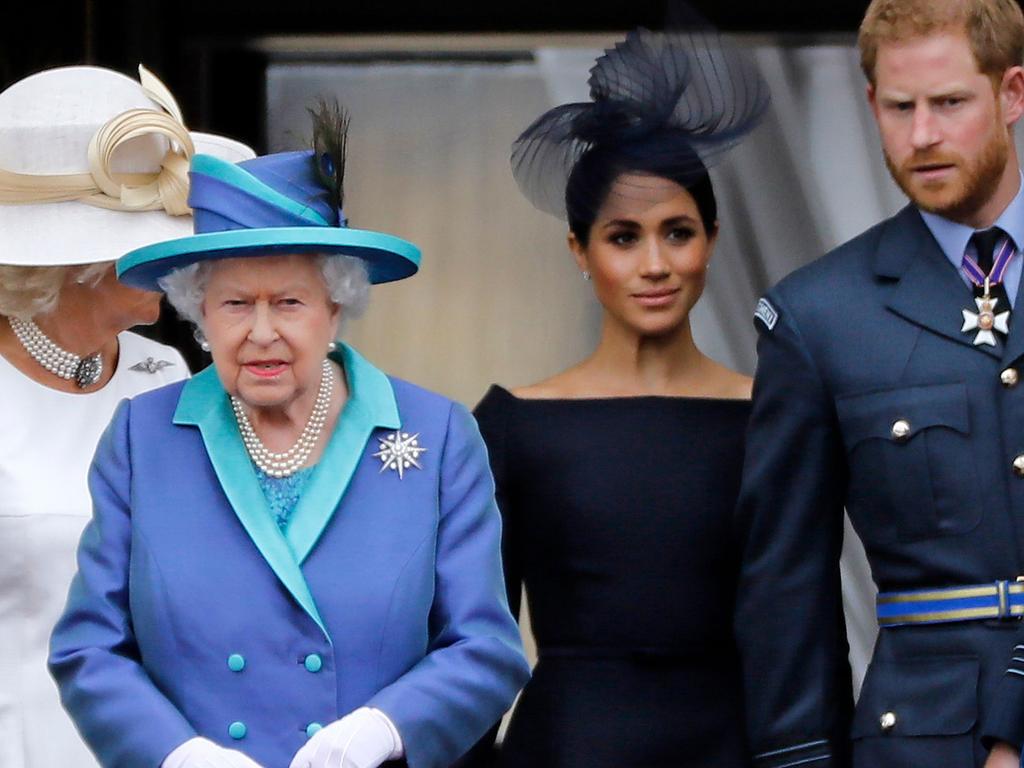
[617, 477]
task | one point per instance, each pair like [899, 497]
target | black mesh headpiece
[664, 103]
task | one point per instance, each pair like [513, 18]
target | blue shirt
[953, 238]
[283, 493]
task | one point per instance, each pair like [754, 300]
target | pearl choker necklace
[85, 371]
[291, 461]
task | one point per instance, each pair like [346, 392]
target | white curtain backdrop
[498, 298]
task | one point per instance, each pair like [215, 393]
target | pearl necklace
[289, 462]
[85, 371]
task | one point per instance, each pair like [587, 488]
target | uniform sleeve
[789, 618]
[1005, 721]
[475, 665]
[94, 658]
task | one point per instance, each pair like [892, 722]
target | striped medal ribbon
[987, 321]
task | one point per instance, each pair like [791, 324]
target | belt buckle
[1003, 595]
[1005, 591]
[1009, 613]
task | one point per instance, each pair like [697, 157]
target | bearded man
[888, 384]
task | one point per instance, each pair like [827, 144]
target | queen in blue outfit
[294, 559]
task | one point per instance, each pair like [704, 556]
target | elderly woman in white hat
[294, 559]
[92, 164]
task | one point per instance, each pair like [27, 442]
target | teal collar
[371, 404]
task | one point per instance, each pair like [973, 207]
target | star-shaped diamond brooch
[399, 451]
[985, 321]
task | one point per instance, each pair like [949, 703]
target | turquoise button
[237, 730]
[312, 728]
[236, 662]
[314, 663]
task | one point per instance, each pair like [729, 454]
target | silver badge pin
[149, 365]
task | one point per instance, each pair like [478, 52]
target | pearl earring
[331, 346]
[204, 345]
[586, 275]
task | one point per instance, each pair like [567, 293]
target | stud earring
[331, 346]
[200, 338]
[586, 275]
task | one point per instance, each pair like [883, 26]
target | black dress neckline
[726, 401]
[619, 519]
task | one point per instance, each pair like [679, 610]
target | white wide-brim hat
[92, 165]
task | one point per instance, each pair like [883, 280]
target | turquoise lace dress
[283, 493]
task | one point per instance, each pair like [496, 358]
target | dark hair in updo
[598, 168]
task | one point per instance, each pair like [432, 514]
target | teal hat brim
[387, 257]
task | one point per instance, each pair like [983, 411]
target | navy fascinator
[667, 103]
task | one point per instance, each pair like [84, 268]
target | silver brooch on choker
[84, 371]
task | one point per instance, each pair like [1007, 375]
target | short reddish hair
[995, 29]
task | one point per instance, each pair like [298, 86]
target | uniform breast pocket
[917, 712]
[911, 464]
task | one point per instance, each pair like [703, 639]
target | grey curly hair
[345, 277]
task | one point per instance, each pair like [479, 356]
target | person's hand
[362, 739]
[203, 753]
[1003, 756]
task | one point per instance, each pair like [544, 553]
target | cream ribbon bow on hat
[165, 190]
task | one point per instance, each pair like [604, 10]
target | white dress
[47, 440]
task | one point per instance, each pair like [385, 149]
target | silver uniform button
[900, 429]
[1018, 465]
[887, 721]
[1009, 377]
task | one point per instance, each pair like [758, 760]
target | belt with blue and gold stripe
[995, 600]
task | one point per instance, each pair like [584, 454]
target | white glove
[364, 738]
[203, 753]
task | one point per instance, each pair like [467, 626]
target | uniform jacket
[849, 345]
[192, 614]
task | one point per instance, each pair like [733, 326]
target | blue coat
[864, 338]
[192, 614]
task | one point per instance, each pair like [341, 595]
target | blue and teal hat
[274, 204]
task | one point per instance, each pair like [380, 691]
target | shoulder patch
[766, 313]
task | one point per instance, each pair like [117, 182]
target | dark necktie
[985, 241]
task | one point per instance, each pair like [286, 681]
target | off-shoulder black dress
[618, 519]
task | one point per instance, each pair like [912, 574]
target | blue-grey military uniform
[868, 396]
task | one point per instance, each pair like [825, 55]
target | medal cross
[985, 321]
